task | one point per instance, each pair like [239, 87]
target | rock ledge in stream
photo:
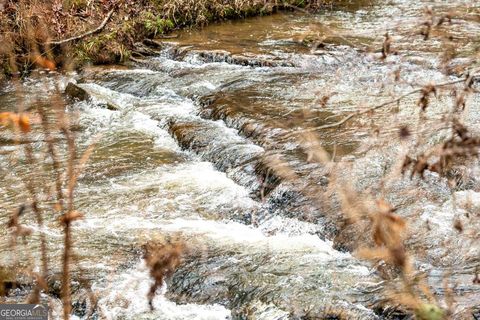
[225, 56]
[76, 92]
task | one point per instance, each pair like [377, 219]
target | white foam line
[243, 235]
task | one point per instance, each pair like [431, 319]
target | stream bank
[35, 33]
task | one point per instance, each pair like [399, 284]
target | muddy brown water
[188, 155]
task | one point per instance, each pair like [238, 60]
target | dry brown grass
[33, 31]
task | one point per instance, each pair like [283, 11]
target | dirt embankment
[70, 33]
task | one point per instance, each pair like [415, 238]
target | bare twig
[53, 155]
[89, 33]
[379, 106]
[37, 210]
[66, 219]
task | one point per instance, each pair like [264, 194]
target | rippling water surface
[181, 156]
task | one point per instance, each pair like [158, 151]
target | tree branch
[379, 106]
[96, 30]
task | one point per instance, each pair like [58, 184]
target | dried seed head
[458, 225]
[424, 100]
[44, 63]
[70, 217]
[24, 123]
[404, 132]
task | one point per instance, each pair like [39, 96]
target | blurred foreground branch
[466, 79]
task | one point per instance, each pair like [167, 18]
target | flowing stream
[180, 154]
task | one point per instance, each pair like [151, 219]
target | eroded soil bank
[69, 34]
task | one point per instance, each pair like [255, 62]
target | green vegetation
[155, 25]
[28, 27]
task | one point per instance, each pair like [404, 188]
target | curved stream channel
[182, 155]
